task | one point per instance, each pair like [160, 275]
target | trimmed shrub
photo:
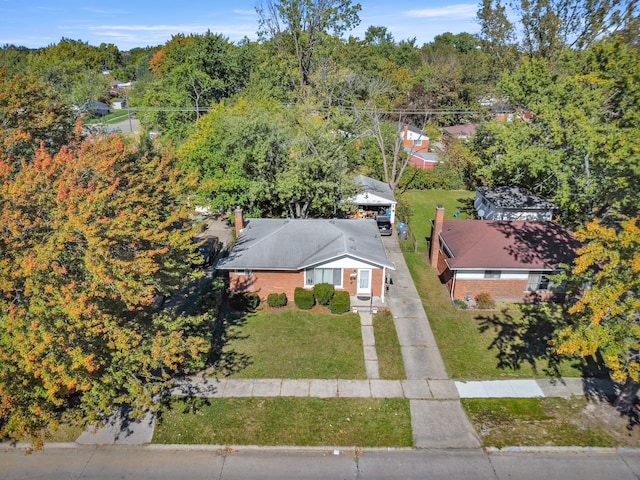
[244, 302]
[303, 298]
[485, 301]
[460, 304]
[323, 293]
[341, 302]
[277, 299]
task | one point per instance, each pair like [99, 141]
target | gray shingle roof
[286, 244]
[374, 187]
[515, 198]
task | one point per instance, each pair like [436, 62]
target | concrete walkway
[369, 345]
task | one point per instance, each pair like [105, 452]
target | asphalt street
[226, 463]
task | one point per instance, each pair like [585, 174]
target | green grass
[465, 337]
[64, 433]
[291, 343]
[537, 422]
[109, 119]
[390, 363]
[422, 206]
[285, 421]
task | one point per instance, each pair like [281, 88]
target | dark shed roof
[515, 198]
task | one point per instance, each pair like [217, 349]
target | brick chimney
[435, 240]
[239, 221]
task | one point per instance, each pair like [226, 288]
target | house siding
[501, 290]
[265, 282]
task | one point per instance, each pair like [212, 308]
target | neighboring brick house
[278, 255]
[510, 260]
[416, 145]
[511, 203]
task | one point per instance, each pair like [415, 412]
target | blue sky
[141, 23]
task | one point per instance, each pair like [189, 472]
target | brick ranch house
[278, 255]
[510, 260]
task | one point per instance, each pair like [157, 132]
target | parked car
[207, 250]
[384, 225]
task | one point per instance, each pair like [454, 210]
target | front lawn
[575, 421]
[291, 343]
[390, 363]
[285, 421]
[481, 344]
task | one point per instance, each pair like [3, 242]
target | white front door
[364, 282]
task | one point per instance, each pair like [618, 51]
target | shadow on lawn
[526, 339]
[467, 206]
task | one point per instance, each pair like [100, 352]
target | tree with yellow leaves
[606, 316]
[89, 238]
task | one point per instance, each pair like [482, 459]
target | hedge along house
[278, 255]
[510, 260]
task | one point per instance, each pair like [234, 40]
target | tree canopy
[91, 236]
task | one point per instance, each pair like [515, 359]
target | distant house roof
[487, 244]
[515, 198]
[291, 245]
[461, 130]
[429, 157]
[411, 128]
[374, 187]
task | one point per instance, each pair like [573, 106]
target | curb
[327, 449]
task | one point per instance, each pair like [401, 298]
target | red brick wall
[265, 282]
[500, 290]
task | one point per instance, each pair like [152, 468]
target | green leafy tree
[90, 237]
[63, 63]
[299, 27]
[315, 179]
[580, 148]
[549, 26]
[190, 73]
[238, 150]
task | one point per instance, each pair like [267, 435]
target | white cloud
[245, 12]
[465, 10]
[102, 11]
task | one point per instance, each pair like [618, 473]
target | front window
[538, 282]
[492, 274]
[323, 275]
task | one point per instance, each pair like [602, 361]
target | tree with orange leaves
[30, 114]
[606, 316]
[89, 237]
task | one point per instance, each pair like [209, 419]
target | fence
[413, 243]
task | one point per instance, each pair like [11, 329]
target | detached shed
[511, 203]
